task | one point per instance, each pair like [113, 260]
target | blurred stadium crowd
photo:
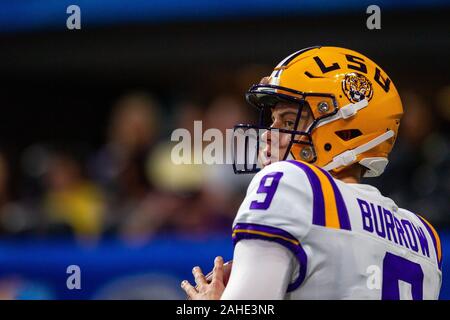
[129, 187]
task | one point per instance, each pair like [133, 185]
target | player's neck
[349, 175]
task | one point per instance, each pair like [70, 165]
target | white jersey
[350, 241]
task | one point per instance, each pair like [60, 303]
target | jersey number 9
[268, 185]
[396, 268]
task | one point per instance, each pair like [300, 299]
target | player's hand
[226, 273]
[206, 290]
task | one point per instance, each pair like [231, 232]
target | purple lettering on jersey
[400, 233]
[390, 227]
[396, 268]
[366, 216]
[379, 222]
[269, 190]
[423, 241]
[410, 235]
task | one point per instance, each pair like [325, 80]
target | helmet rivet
[306, 153]
[323, 107]
[327, 147]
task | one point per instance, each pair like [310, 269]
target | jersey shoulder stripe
[436, 240]
[318, 198]
[329, 207]
[342, 212]
[263, 232]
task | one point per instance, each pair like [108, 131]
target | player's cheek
[284, 141]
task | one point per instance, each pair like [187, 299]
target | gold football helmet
[355, 106]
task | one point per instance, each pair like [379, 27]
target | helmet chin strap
[349, 156]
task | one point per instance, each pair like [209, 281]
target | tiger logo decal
[356, 87]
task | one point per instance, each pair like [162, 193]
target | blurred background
[86, 118]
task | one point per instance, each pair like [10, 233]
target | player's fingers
[199, 277]
[188, 288]
[218, 270]
[208, 277]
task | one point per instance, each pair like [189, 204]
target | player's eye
[289, 125]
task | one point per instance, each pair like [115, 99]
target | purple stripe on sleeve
[297, 250]
[430, 232]
[318, 201]
[344, 219]
[264, 228]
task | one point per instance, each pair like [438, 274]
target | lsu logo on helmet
[357, 87]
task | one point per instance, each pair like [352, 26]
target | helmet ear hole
[349, 134]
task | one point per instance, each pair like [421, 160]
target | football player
[308, 228]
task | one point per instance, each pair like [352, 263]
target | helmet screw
[306, 153]
[323, 107]
[327, 147]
